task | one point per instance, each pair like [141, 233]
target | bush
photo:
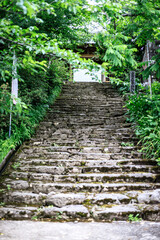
[145, 111]
[37, 90]
[5, 97]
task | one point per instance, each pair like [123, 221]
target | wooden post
[132, 82]
[70, 73]
[14, 90]
[149, 78]
[102, 77]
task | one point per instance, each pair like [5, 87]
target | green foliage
[5, 102]
[145, 111]
[158, 161]
[113, 48]
[16, 165]
[135, 218]
[8, 187]
[24, 120]
[154, 68]
[37, 85]
[156, 88]
[42, 34]
[127, 144]
[125, 31]
[35, 218]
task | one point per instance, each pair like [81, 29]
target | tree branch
[9, 40]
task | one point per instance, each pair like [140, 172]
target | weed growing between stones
[16, 165]
[2, 204]
[34, 218]
[8, 187]
[127, 144]
[133, 218]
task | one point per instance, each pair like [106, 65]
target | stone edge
[7, 159]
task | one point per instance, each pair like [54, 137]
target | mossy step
[79, 164]
[110, 177]
[60, 176]
[88, 163]
[77, 150]
[62, 170]
[80, 156]
[79, 212]
[47, 187]
[86, 199]
[122, 212]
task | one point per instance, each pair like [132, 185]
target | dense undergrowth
[144, 113]
[37, 91]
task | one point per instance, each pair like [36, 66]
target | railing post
[132, 81]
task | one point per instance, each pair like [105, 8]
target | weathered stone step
[82, 141]
[62, 199]
[108, 121]
[76, 150]
[61, 169]
[90, 163]
[108, 98]
[70, 114]
[58, 175]
[90, 111]
[110, 177]
[100, 102]
[47, 124]
[88, 199]
[80, 156]
[46, 140]
[47, 187]
[77, 212]
[87, 108]
[49, 142]
[109, 134]
[103, 100]
[105, 133]
[122, 212]
[17, 213]
[83, 163]
[78, 115]
[79, 110]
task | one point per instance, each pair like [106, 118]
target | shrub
[145, 111]
[37, 90]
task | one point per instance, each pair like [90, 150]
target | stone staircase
[83, 164]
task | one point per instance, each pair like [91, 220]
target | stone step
[83, 164]
[72, 143]
[109, 134]
[81, 156]
[88, 102]
[59, 175]
[61, 114]
[47, 187]
[48, 141]
[108, 120]
[110, 177]
[77, 110]
[122, 212]
[80, 212]
[17, 213]
[87, 107]
[88, 199]
[62, 169]
[140, 163]
[47, 124]
[77, 115]
[77, 150]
